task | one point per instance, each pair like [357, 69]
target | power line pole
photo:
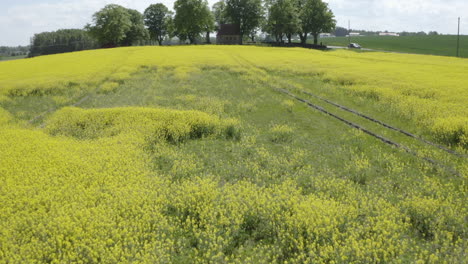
[349, 31]
[458, 39]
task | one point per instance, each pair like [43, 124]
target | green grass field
[431, 45]
[195, 155]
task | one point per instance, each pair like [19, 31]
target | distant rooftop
[229, 29]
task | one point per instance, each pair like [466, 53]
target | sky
[21, 19]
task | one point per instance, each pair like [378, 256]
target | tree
[191, 19]
[110, 25]
[60, 41]
[341, 32]
[137, 32]
[209, 24]
[282, 19]
[248, 14]
[219, 13]
[158, 18]
[315, 18]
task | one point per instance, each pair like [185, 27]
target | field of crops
[203, 154]
[442, 45]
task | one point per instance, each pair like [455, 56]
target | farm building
[229, 34]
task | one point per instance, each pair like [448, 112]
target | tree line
[60, 41]
[13, 51]
[192, 20]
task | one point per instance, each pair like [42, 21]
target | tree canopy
[219, 13]
[192, 18]
[248, 14]
[318, 18]
[137, 34]
[158, 19]
[115, 25]
[282, 19]
[60, 41]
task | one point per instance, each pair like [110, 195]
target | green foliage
[192, 18]
[13, 52]
[115, 25]
[157, 18]
[248, 14]
[60, 41]
[316, 18]
[110, 25]
[282, 19]
[137, 34]
[219, 13]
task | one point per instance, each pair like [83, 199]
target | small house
[229, 34]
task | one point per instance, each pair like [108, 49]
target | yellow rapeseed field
[430, 90]
[141, 184]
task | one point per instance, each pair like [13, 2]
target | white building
[389, 34]
[326, 35]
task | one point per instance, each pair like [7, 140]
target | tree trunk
[208, 41]
[315, 39]
[191, 39]
[303, 37]
[252, 37]
[289, 37]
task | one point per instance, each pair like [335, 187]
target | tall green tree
[110, 25]
[248, 14]
[137, 34]
[315, 17]
[282, 19]
[209, 24]
[219, 13]
[158, 18]
[192, 18]
[115, 25]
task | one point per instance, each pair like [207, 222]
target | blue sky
[20, 19]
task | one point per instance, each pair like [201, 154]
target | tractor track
[449, 169]
[388, 126]
[377, 136]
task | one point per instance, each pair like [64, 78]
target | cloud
[19, 22]
[400, 15]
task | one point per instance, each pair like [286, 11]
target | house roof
[229, 29]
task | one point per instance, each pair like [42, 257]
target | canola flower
[430, 90]
[118, 185]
